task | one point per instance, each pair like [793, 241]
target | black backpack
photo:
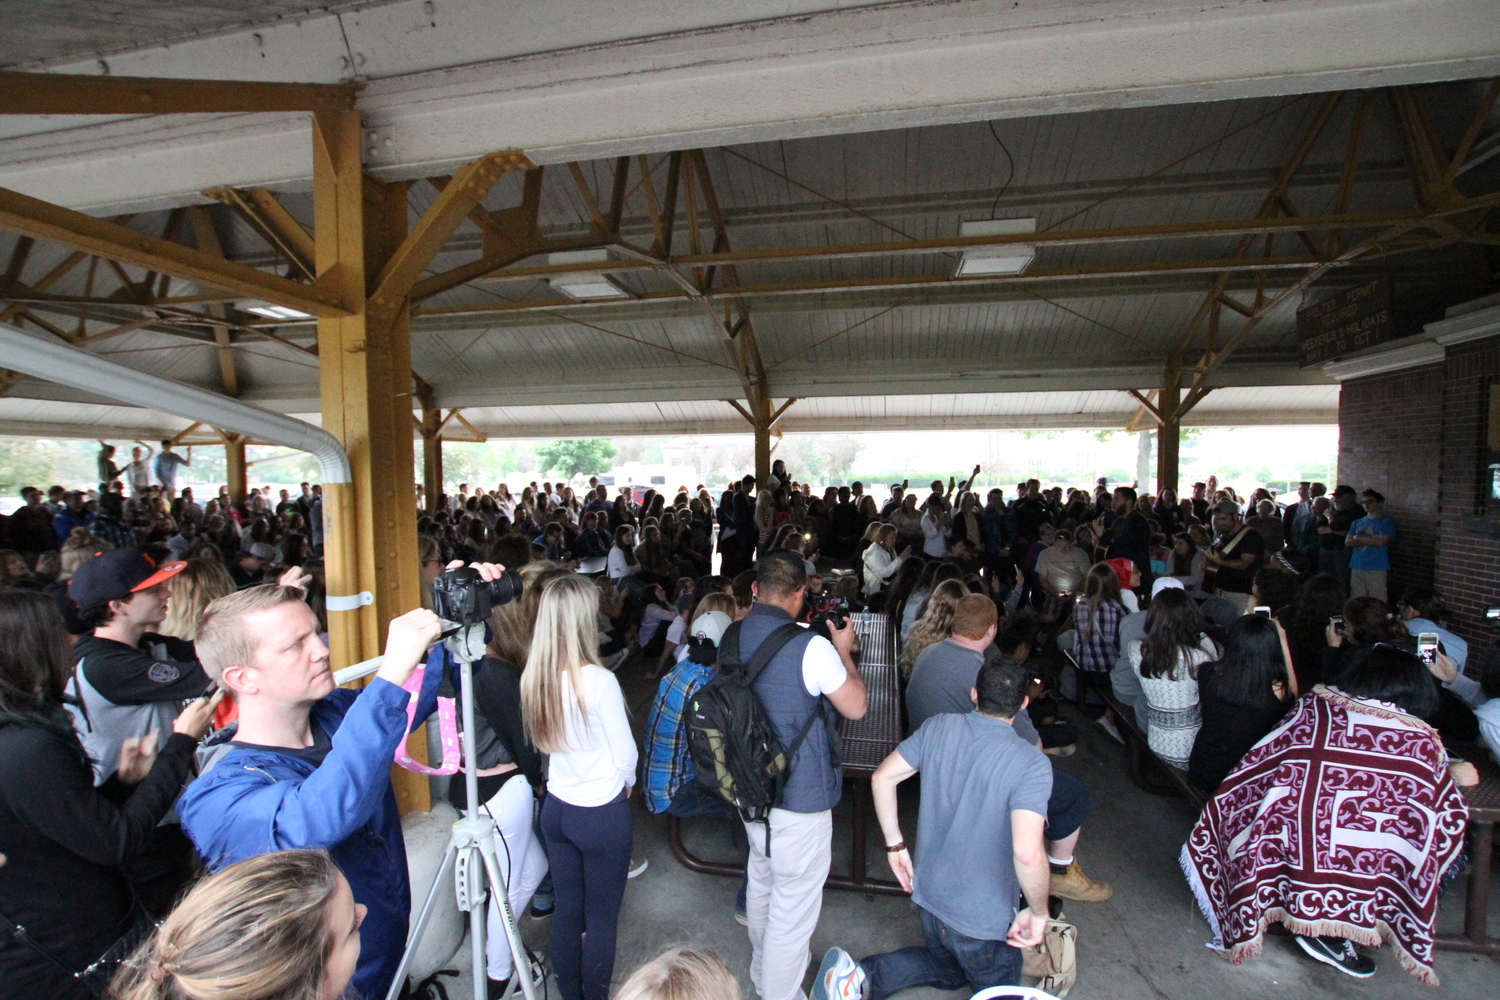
[735, 751]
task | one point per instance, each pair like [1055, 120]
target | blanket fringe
[1380, 934]
[1195, 883]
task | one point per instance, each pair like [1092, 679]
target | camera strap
[447, 728]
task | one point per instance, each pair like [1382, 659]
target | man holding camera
[785, 892]
[309, 766]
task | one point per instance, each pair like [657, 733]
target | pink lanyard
[447, 729]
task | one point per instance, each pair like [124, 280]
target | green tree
[574, 457]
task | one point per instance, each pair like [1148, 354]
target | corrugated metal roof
[1125, 167]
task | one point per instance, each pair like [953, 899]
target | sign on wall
[1344, 323]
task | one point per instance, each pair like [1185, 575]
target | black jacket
[64, 841]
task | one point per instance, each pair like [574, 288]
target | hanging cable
[1012, 176]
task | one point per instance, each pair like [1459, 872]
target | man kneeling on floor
[979, 846]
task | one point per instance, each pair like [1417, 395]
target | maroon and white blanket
[1342, 821]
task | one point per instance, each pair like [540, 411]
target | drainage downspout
[59, 363]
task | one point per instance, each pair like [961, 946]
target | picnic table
[866, 743]
[1484, 809]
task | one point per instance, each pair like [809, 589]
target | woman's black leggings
[589, 850]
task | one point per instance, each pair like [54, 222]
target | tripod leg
[441, 879]
[477, 913]
[520, 963]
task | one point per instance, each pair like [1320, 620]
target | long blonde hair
[681, 974]
[201, 582]
[935, 625]
[255, 930]
[565, 639]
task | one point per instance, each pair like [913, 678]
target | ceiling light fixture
[587, 286]
[275, 312]
[1011, 258]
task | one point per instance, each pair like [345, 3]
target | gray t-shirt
[976, 771]
[941, 680]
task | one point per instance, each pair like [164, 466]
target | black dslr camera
[832, 613]
[462, 597]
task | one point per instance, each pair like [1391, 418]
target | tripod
[470, 855]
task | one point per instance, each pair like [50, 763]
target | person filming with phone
[309, 766]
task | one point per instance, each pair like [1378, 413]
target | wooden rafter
[71, 94]
[29, 216]
[207, 239]
[267, 216]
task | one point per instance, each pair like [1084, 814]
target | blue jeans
[691, 802]
[949, 961]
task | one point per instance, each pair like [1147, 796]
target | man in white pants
[785, 892]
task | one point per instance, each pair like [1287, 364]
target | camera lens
[506, 589]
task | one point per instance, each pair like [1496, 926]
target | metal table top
[869, 740]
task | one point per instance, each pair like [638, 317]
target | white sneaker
[636, 867]
[1111, 729]
[839, 977]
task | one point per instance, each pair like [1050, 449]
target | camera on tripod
[463, 597]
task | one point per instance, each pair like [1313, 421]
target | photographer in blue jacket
[309, 765]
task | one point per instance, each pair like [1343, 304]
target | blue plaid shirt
[668, 764]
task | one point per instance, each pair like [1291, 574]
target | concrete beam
[451, 84]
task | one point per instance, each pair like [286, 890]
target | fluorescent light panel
[275, 312]
[588, 286]
[1012, 258]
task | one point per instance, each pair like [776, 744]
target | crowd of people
[188, 801]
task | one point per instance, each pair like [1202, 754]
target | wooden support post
[760, 408]
[1169, 434]
[234, 461]
[365, 374]
[432, 448]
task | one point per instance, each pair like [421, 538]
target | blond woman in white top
[575, 714]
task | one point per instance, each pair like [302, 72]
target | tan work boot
[1074, 884]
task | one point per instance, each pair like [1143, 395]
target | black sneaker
[1339, 953]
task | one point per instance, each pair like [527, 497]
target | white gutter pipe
[59, 363]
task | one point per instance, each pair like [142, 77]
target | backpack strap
[729, 649]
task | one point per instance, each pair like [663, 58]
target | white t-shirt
[618, 568]
[677, 631]
[602, 755]
[934, 543]
[822, 670]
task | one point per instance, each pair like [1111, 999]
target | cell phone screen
[1263, 611]
[1427, 647]
[1338, 624]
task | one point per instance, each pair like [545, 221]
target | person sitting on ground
[1166, 661]
[66, 839]
[1243, 695]
[281, 926]
[670, 779]
[934, 626]
[286, 781]
[1342, 824]
[977, 774]
[681, 974]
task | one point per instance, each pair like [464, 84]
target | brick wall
[1468, 570]
[1419, 437]
[1390, 436]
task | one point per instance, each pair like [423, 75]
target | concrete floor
[1145, 944]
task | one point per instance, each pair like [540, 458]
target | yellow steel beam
[69, 94]
[29, 216]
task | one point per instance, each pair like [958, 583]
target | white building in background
[667, 475]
